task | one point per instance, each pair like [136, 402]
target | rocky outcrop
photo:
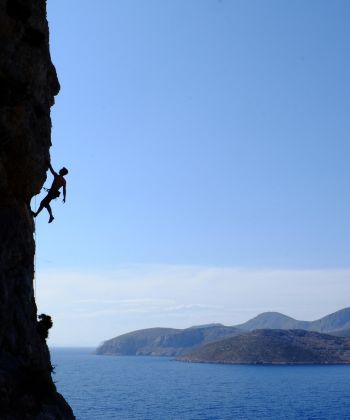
[28, 84]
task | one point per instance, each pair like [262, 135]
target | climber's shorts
[51, 195]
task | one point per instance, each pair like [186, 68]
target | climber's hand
[64, 200]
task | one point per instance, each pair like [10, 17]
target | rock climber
[53, 193]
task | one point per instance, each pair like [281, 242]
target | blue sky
[200, 133]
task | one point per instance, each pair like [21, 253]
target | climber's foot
[51, 219]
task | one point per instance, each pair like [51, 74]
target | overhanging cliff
[28, 84]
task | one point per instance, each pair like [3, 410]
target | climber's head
[63, 171]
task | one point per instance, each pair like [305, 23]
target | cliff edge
[28, 84]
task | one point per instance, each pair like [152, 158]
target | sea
[160, 388]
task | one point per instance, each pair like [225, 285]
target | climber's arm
[64, 193]
[52, 170]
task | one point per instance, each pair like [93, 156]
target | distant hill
[273, 320]
[274, 347]
[134, 342]
[345, 332]
[175, 342]
[335, 322]
[164, 341]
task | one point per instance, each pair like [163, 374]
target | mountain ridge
[163, 341]
[334, 321]
[177, 342]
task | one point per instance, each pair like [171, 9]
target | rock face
[275, 347]
[28, 84]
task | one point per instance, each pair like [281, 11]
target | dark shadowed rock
[28, 84]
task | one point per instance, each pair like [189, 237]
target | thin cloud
[88, 308]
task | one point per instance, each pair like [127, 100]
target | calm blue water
[105, 387]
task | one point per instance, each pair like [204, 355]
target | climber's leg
[48, 207]
[43, 204]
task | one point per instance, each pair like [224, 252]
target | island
[274, 346]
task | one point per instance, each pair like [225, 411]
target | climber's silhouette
[53, 192]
